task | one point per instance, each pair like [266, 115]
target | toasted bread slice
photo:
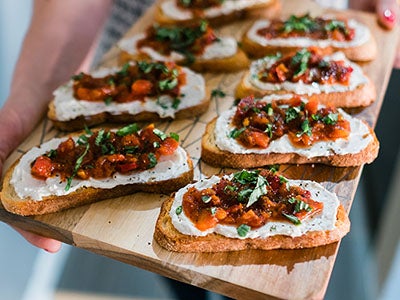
[359, 92]
[169, 237]
[266, 8]
[221, 55]
[70, 114]
[363, 49]
[234, 63]
[55, 198]
[242, 157]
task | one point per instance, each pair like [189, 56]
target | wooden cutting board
[123, 228]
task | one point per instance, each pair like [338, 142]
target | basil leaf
[259, 190]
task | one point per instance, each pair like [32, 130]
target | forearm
[60, 35]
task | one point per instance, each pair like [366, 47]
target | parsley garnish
[78, 76]
[291, 114]
[206, 198]
[175, 103]
[306, 128]
[178, 210]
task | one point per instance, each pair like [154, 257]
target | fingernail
[389, 16]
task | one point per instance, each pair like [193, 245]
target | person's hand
[8, 142]
[388, 14]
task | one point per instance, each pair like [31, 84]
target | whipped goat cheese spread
[26, 185]
[358, 139]
[172, 11]
[320, 222]
[69, 108]
[224, 47]
[362, 35]
[357, 78]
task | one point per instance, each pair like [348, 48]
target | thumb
[388, 13]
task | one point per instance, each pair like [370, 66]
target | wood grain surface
[122, 228]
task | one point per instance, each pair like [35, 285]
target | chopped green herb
[178, 210]
[213, 210]
[330, 119]
[245, 176]
[236, 132]
[291, 114]
[175, 103]
[243, 230]
[78, 164]
[259, 190]
[52, 153]
[78, 76]
[230, 188]
[108, 100]
[132, 128]
[292, 219]
[152, 160]
[160, 134]
[300, 60]
[218, 93]
[243, 195]
[269, 130]
[306, 128]
[206, 198]
[174, 135]
[168, 84]
[156, 144]
[124, 70]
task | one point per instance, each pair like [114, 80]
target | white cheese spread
[362, 35]
[357, 78]
[319, 222]
[358, 140]
[69, 108]
[25, 185]
[172, 11]
[223, 47]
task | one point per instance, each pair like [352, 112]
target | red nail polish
[389, 16]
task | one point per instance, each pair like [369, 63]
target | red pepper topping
[306, 26]
[132, 83]
[257, 123]
[309, 66]
[250, 198]
[102, 153]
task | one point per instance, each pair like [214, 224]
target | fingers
[388, 13]
[44, 243]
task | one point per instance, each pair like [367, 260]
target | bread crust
[212, 155]
[267, 10]
[233, 63]
[361, 53]
[171, 239]
[83, 196]
[362, 96]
